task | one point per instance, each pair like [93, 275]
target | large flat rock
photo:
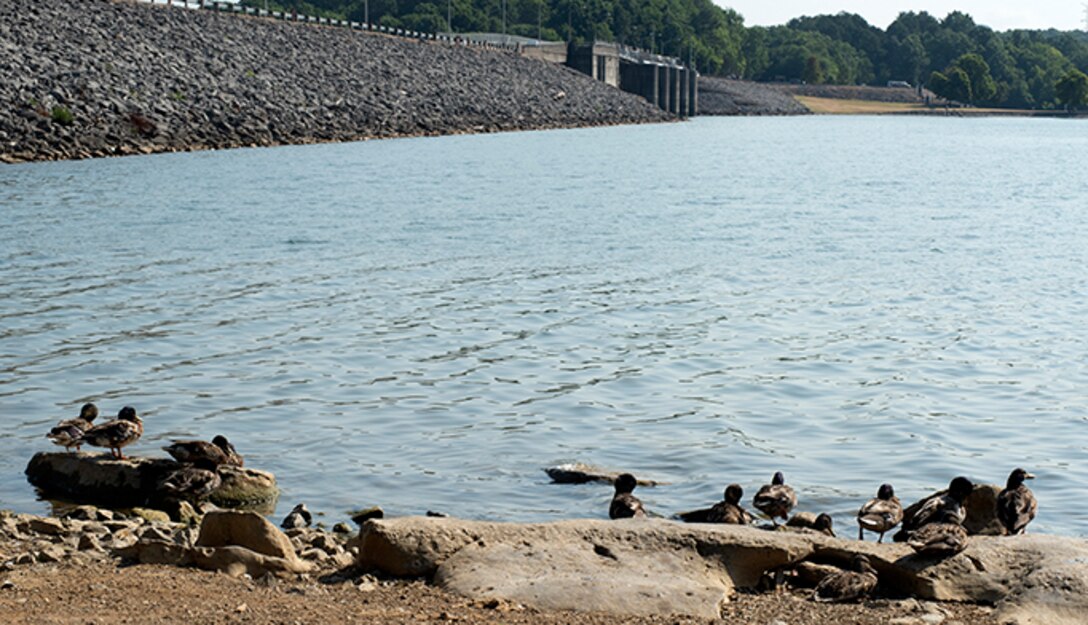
[642, 567]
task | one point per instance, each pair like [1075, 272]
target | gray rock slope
[89, 78]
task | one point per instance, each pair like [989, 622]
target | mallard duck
[1016, 505]
[775, 499]
[191, 482]
[126, 429]
[939, 538]
[821, 523]
[624, 504]
[947, 507]
[848, 585]
[298, 517]
[729, 510]
[215, 453]
[881, 513]
[69, 433]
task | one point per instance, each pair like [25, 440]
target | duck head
[1017, 477]
[861, 564]
[221, 442]
[88, 412]
[778, 479]
[886, 492]
[733, 494]
[625, 483]
[128, 413]
[823, 523]
[960, 488]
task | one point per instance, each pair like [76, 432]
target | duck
[625, 505]
[775, 499]
[218, 452]
[68, 433]
[943, 537]
[729, 510]
[948, 507]
[880, 513]
[192, 482]
[299, 517]
[1016, 505]
[126, 429]
[821, 523]
[848, 585]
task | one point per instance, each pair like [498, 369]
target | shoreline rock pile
[100, 78]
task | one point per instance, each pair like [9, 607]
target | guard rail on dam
[663, 80]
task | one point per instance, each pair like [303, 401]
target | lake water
[425, 324]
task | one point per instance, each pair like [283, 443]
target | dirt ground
[103, 592]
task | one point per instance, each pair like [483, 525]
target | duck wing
[116, 433]
[775, 500]
[880, 515]
[1016, 508]
[728, 513]
[191, 482]
[190, 452]
[844, 586]
[625, 506]
[939, 539]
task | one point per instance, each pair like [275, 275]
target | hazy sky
[997, 14]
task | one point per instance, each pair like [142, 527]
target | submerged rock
[578, 473]
[95, 478]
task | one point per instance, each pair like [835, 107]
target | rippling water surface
[426, 323]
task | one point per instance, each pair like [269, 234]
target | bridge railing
[237, 8]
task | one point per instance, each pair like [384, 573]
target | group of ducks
[198, 475]
[932, 526]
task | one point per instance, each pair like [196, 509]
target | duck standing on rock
[69, 433]
[126, 429]
[218, 452]
[729, 510]
[1016, 505]
[299, 517]
[949, 507]
[624, 504]
[881, 513]
[848, 585]
[776, 499]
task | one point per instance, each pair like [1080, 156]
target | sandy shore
[107, 592]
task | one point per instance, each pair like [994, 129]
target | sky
[997, 14]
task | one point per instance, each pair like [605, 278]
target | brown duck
[821, 523]
[775, 499]
[947, 507]
[1016, 505]
[729, 510]
[215, 453]
[624, 504]
[69, 433]
[944, 537]
[191, 482]
[126, 429]
[848, 585]
[881, 513]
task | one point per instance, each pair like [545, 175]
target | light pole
[504, 21]
[449, 15]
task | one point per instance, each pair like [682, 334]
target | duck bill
[1029, 476]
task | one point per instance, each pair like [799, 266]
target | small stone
[25, 558]
[314, 555]
[366, 586]
[47, 525]
[88, 542]
[51, 554]
[362, 516]
[933, 618]
[905, 620]
[341, 528]
[325, 543]
[156, 533]
[242, 608]
[83, 513]
[152, 516]
[7, 585]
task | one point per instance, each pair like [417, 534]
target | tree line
[954, 56]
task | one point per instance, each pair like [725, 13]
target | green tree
[1072, 89]
[983, 87]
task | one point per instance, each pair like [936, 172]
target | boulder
[97, 478]
[222, 528]
[640, 567]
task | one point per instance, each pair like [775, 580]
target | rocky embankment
[86, 78]
[897, 95]
[721, 96]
